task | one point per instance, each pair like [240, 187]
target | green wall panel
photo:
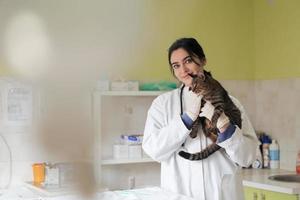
[224, 29]
[277, 39]
[242, 39]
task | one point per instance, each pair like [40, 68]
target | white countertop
[149, 193]
[258, 178]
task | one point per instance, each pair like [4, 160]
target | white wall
[62, 47]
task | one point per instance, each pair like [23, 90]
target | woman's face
[183, 64]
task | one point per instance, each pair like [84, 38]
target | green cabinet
[259, 194]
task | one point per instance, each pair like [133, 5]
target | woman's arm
[162, 138]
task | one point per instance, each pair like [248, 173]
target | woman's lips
[186, 76]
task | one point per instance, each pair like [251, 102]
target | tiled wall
[272, 106]
[277, 113]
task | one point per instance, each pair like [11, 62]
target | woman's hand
[208, 111]
[193, 105]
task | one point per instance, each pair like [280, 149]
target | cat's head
[200, 82]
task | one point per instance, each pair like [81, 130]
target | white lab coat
[214, 178]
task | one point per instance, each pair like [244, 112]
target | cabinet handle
[263, 196]
[254, 196]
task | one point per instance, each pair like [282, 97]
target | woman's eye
[189, 60]
[175, 66]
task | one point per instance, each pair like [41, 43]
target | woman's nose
[185, 69]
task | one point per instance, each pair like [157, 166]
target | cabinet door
[268, 195]
[258, 194]
[251, 193]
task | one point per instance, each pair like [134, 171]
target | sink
[286, 177]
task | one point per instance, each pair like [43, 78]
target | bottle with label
[274, 155]
[266, 151]
[298, 163]
[266, 157]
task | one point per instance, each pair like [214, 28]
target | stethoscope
[181, 102]
[181, 112]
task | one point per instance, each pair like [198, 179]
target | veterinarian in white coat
[167, 132]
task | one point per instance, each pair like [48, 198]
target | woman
[167, 132]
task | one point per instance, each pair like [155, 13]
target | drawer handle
[254, 196]
[263, 196]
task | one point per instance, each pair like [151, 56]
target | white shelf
[50, 190]
[106, 130]
[130, 93]
[126, 161]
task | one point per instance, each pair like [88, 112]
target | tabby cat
[212, 91]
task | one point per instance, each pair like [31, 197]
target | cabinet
[116, 113]
[259, 194]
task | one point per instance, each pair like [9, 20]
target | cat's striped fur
[212, 91]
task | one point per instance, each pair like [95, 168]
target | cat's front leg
[217, 113]
[210, 130]
[195, 128]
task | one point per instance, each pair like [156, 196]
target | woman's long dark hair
[191, 45]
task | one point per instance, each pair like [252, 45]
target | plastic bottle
[274, 155]
[266, 158]
[265, 151]
[298, 163]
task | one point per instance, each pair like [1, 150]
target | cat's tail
[200, 155]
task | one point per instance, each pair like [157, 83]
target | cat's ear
[206, 73]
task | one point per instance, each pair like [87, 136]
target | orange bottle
[38, 173]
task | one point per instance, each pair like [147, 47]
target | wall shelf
[126, 161]
[130, 93]
[116, 113]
